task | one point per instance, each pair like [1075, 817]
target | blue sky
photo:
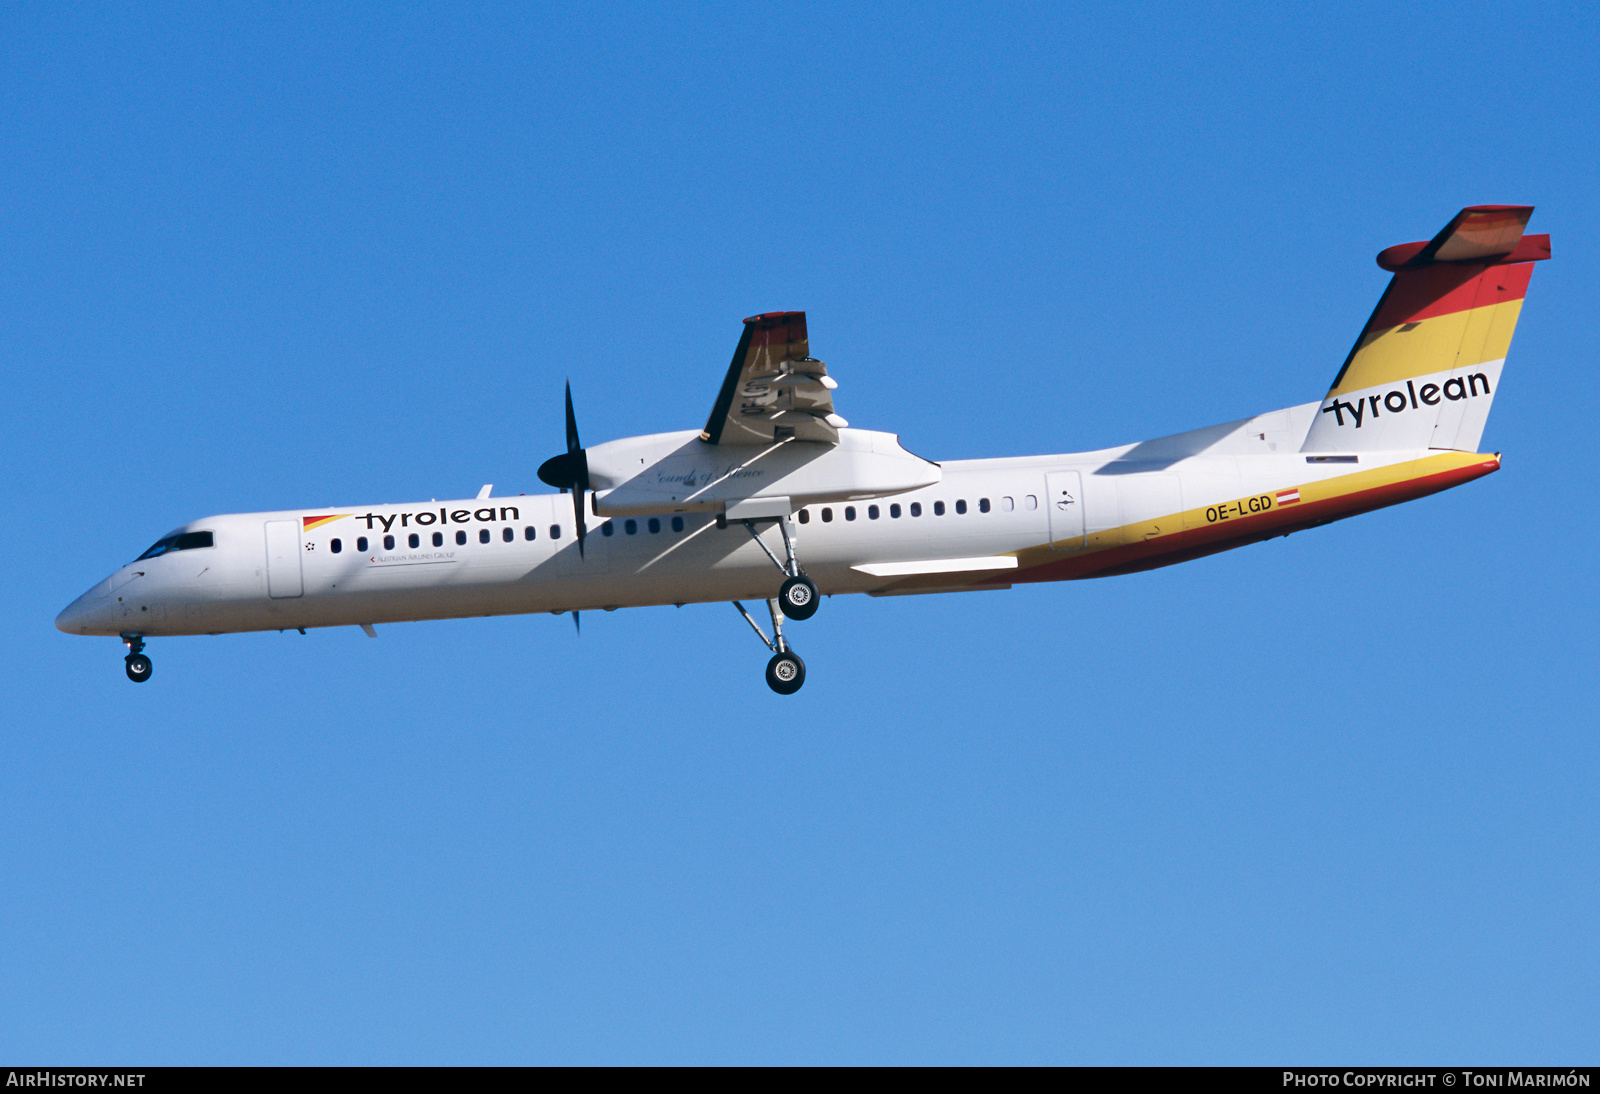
[1330, 798]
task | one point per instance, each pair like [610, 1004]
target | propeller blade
[572, 424]
[577, 516]
[576, 625]
[570, 471]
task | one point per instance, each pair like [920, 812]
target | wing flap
[774, 390]
[938, 566]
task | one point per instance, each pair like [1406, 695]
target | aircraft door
[283, 559]
[1064, 496]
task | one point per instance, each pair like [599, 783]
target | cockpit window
[184, 541]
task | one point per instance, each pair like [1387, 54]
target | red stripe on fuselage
[1198, 542]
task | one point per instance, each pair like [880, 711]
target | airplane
[777, 478]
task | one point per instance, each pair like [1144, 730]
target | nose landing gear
[138, 665]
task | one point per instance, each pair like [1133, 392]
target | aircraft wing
[775, 390]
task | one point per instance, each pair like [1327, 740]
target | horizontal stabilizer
[1479, 233]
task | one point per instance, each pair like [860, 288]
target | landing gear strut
[785, 672]
[138, 665]
[798, 597]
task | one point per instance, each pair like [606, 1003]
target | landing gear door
[1064, 496]
[283, 559]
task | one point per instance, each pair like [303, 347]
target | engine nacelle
[680, 473]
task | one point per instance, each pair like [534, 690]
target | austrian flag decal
[1288, 497]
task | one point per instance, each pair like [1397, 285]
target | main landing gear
[798, 595]
[785, 672]
[797, 598]
[138, 665]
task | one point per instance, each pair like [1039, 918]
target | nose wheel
[138, 665]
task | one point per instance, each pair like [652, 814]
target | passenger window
[677, 524]
[827, 516]
[1030, 502]
[894, 511]
[461, 538]
[415, 540]
[1007, 504]
[336, 546]
[508, 534]
[527, 533]
[872, 512]
[655, 525]
[607, 530]
[630, 526]
[938, 508]
[388, 543]
[805, 516]
[916, 508]
[438, 539]
[849, 512]
[983, 505]
[961, 506]
[483, 535]
[555, 531]
[361, 544]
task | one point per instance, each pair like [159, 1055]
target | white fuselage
[1003, 520]
[239, 585]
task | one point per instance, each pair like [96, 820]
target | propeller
[570, 471]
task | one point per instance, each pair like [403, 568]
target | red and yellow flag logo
[308, 523]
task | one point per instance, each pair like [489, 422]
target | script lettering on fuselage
[485, 515]
[1413, 398]
[711, 474]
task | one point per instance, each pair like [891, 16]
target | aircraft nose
[89, 614]
[67, 621]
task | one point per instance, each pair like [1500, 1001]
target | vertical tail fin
[1425, 369]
